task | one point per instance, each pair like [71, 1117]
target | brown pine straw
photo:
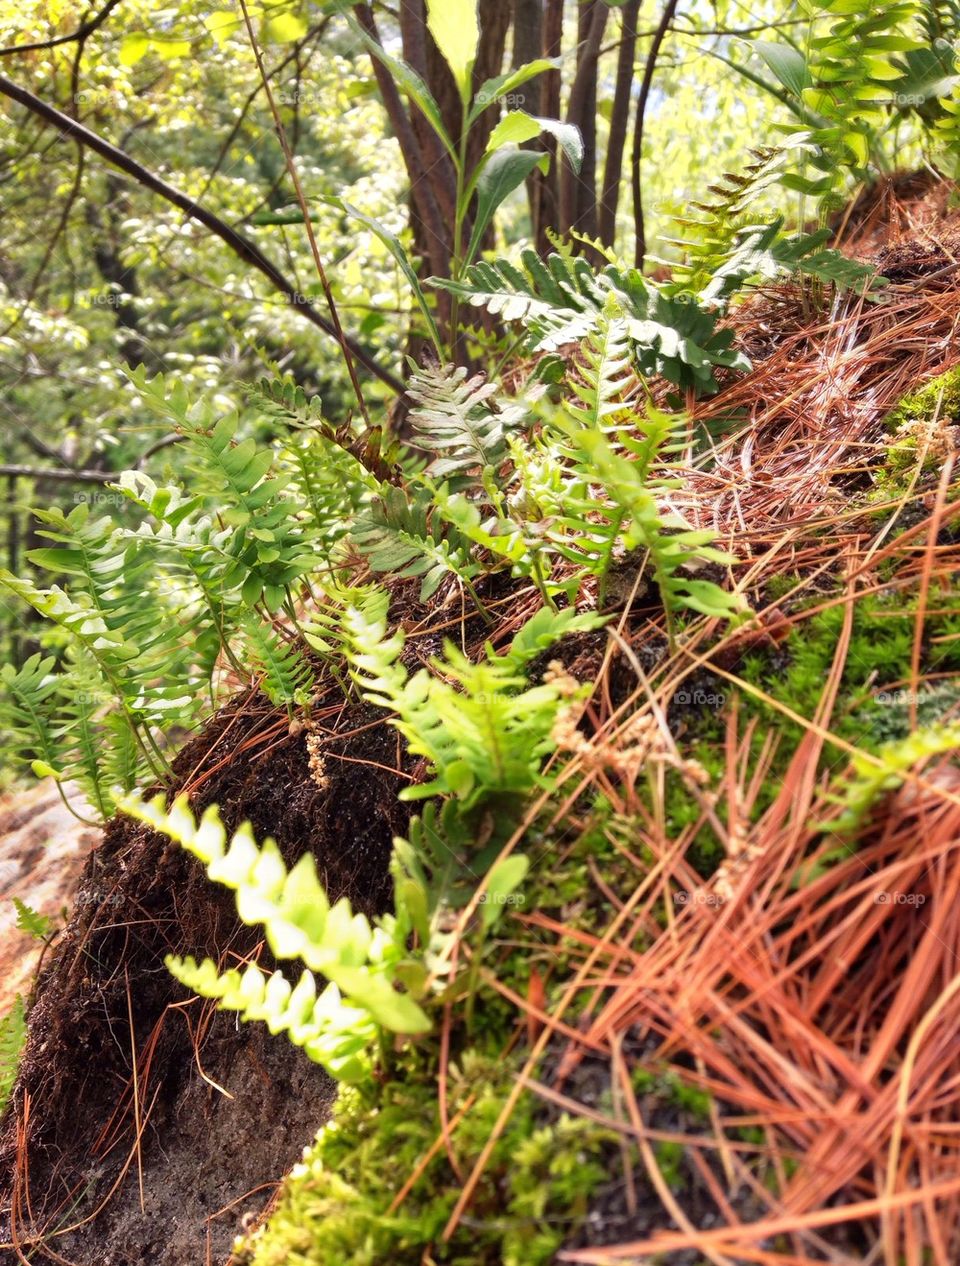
[826, 1011]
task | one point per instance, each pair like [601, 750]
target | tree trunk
[640, 249]
[578, 191]
[545, 189]
[619, 117]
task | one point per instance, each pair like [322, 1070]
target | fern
[560, 301]
[461, 423]
[56, 723]
[761, 253]
[400, 535]
[331, 1032]
[846, 83]
[896, 758]
[268, 549]
[13, 1036]
[27, 709]
[483, 731]
[284, 674]
[30, 921]
[609, 445]
[297, 918]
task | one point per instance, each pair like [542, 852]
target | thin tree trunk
[422, 189]
[640, 249]
[578, 194]
[619, 117]
[545, 193]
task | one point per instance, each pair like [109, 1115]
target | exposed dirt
[42, 851]
[69, 1180]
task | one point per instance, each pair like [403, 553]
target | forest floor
[750, 1064]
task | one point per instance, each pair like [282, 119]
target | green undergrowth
[916, 425]
[873, 705]
[335, 1206]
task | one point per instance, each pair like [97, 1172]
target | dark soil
[69, 1181]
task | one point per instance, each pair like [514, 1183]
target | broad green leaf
[788, 64]
[133, 48]
[499, 88]
[514, 128]
[502, 883]
[503, 172]
[567, 137]
[286, 28]
[221, 24]
[170, 50]
[454, 26]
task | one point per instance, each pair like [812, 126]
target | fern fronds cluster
[483, 729]
[559, 300]
[297, 917]
[13, 1035]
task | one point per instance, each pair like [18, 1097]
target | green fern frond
[286, 400]
[27, 710]
[13, 1036]
[483, 730]
[283, 672]
[296, 915]
[31, 921]
[559, 301]
[760, 253]
[269, 549]
[462, 423]
[331, 1032]
[399, 535]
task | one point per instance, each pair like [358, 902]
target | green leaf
[133, 48]
[454, 26]
[503, 172]
[170, 50]
[567, 137]
[788, 64]
[30, 921]
[502, 882]
[286, 28]
[501, 86]
[221, 24]
[514, 128]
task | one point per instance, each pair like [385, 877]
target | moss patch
[335, 1206]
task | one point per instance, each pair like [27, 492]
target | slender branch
[640, 249]
[54, 472]
[307, 222]
[240, 245]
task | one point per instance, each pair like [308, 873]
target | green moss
[942, 392]
[938, 399]
[334, 1208]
